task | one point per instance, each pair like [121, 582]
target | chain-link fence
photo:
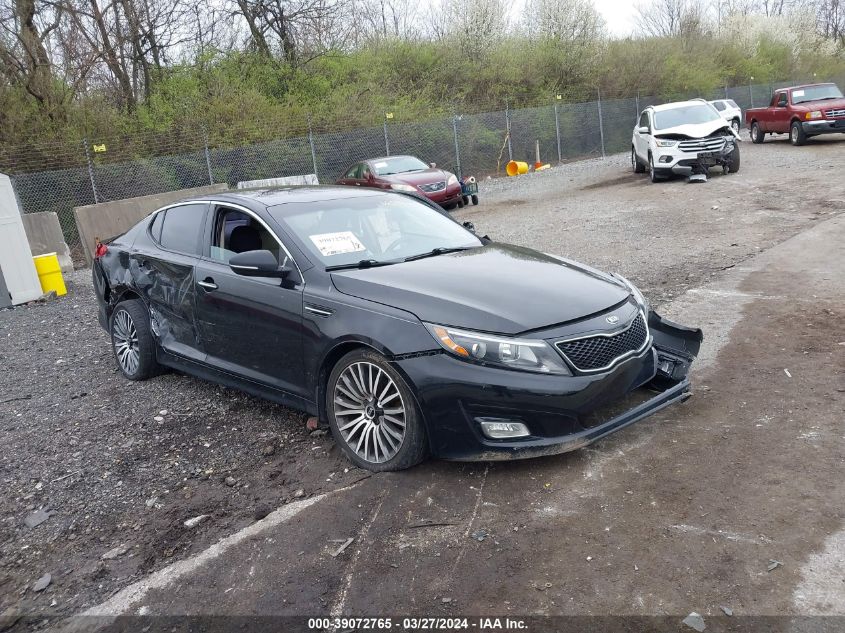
[470, 144]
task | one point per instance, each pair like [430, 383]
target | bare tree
[831, 20]
[562, 20]
[473, 24]
[24, 56]
[672, 18]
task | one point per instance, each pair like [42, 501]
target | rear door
[163, 268]
[249, 326]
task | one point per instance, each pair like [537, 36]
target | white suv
[730, 112]
[684, 138]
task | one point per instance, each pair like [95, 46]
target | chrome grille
[435, 186]
[595, 353]
[711, 144]
[832, 114]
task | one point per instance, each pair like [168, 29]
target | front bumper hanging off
[562, 413]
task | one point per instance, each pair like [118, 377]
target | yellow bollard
[50, 273]
[516, 167]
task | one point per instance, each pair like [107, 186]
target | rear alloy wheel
[757, 135]
[796, 134]
[373, 415]
[636, 165]
[132, 341]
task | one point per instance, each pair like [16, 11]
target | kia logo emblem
[612, 319]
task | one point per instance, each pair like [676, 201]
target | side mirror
[432, 165]
[643, 130]
[370, 176]
[469, 226]
[258, 264]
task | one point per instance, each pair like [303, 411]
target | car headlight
[453, 180]
[664, 143]
[510, 353]
[401, 187]
[813, 115]
[638, 296]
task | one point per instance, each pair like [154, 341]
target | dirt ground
[683, 512]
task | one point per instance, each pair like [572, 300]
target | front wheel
[132, 340]
[733, 161]
[636, 165]
[757, 135]
[796, 134]
[373, 414]
[652, 171]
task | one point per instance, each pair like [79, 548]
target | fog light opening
[665, 159]
[497, 429]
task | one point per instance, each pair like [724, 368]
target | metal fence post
[386, 139]
[90, 170]
[751, 94]
[455, 120]
[638, 105]
[601, 126]
[726, 91]
[557, 135]
[208, 158]
[508, 128]
[313, 151]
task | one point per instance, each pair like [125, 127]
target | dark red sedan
[406, 173]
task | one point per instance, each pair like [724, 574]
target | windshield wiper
[434, 252]
[364, 263]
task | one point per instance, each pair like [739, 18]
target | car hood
[692, 130]
[417, 178]
[824, 104]
[495, 288]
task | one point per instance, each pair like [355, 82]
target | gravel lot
[119, 466]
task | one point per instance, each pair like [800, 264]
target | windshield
[815, 93]
[383, 228]
[398, 165]
[685, 115]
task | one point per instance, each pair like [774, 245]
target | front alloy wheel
[373, 415]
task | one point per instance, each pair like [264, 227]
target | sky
[618, 14]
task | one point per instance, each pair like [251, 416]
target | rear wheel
[757, 135]
[132, 341]
[637, 166]
[796, 134]
[474, 199]
[373, 415]
[735, 125]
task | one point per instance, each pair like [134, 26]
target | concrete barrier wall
[108, 219]
[45, 236]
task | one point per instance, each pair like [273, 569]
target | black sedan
[404, 330]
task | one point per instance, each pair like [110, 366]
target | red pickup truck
[801, 111]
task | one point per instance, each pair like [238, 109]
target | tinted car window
[644, 120]
[181, 228]
[719, 105]
[155, 229]
[238, 232]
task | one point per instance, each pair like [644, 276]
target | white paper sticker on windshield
[797, 93]
[337, 243]
[381, 164]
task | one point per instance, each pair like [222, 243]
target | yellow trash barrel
[516, 167]
[50, 273]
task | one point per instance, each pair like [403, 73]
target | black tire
[474, 198]
[796, 134]
[652, 171]
[343, 401]
[733, 164]
[466, 201]
[638, 167]
[460, 203]
[757, 135]
[135, 354]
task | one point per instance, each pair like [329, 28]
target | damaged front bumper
[681, 162]
[561, 413]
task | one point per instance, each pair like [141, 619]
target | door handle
[208, 284]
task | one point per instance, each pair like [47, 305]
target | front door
[641, 139]
[249, 326]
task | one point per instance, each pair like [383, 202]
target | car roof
[371, 160]
[824, 83]
[275, 196]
